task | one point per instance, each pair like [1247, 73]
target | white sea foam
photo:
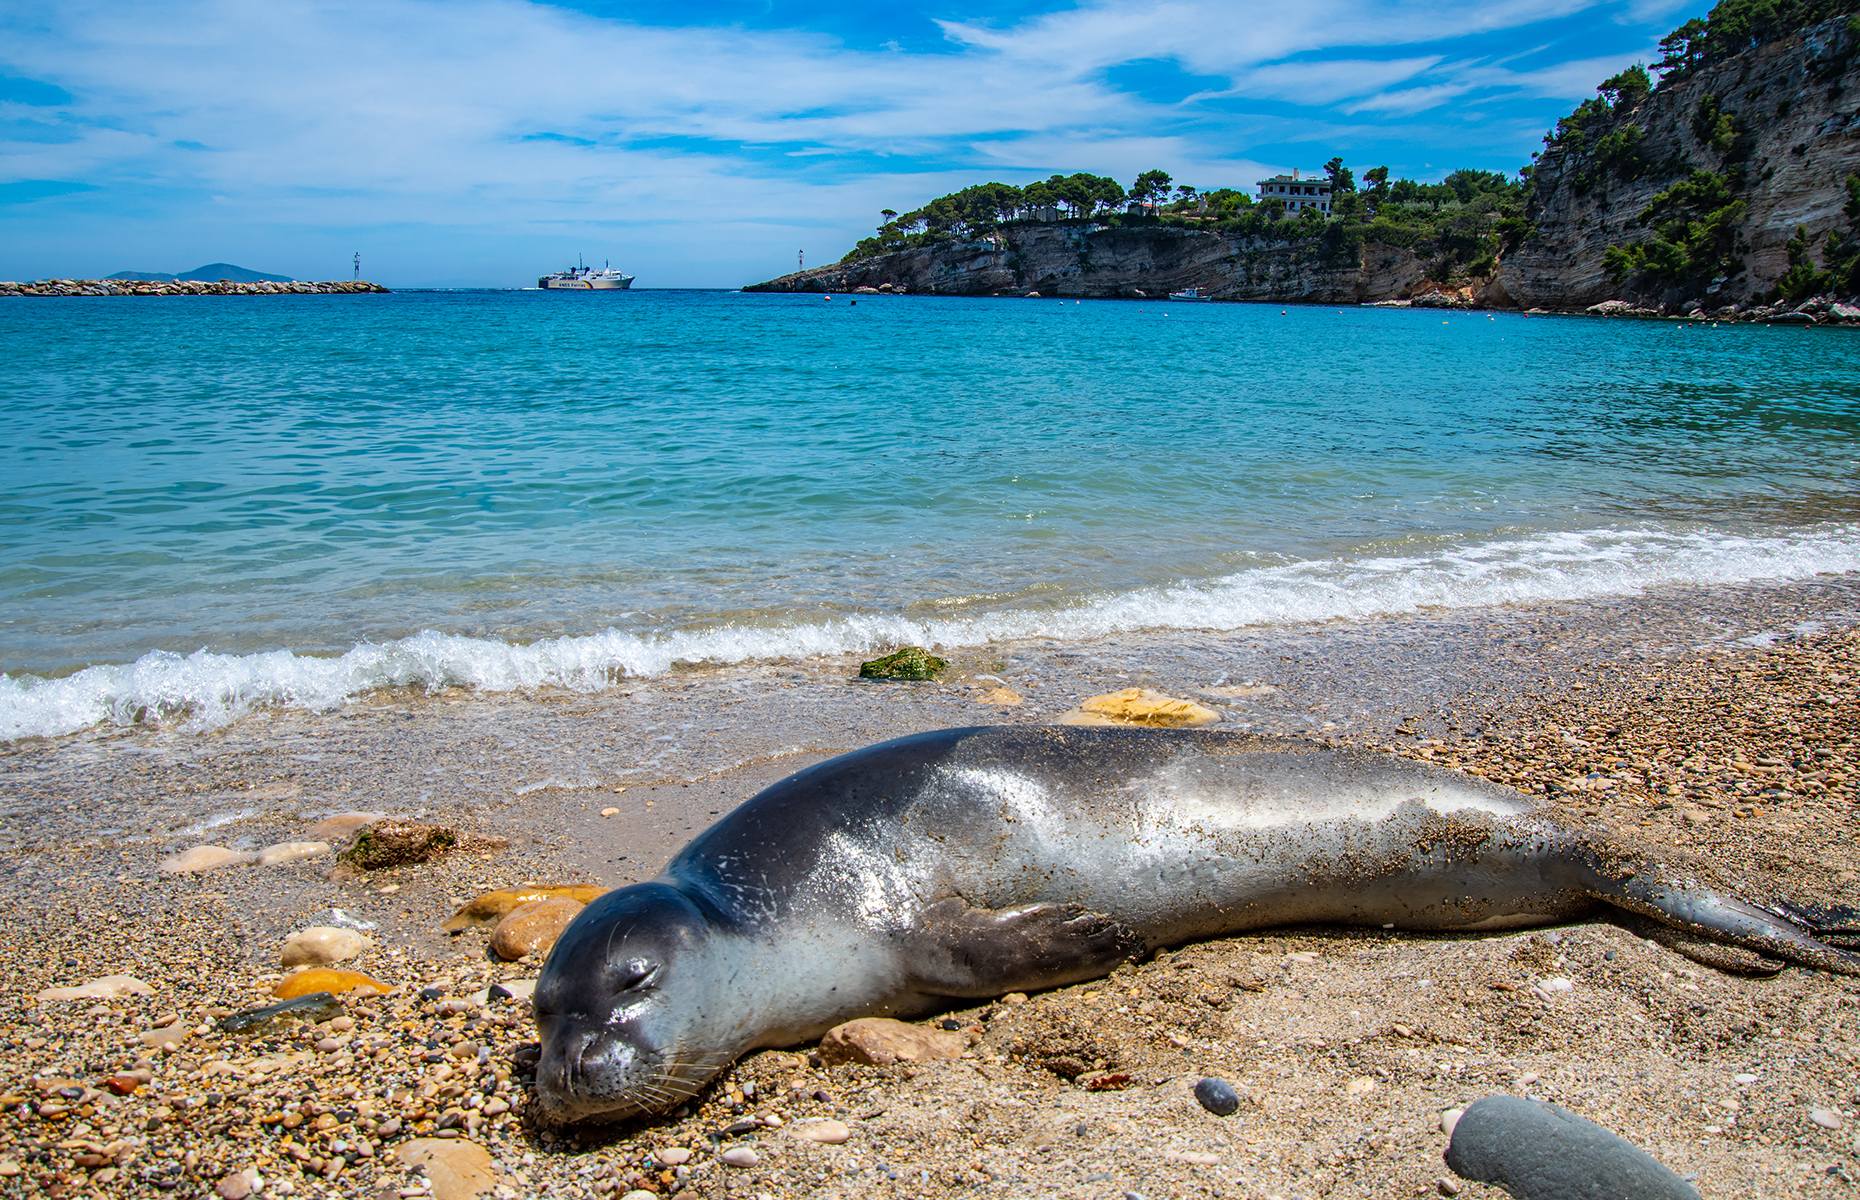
[205, 689]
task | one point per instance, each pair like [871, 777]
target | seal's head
[616, 1033]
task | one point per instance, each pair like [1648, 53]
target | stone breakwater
[183, 287]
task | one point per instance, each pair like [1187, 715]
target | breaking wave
[207, 689]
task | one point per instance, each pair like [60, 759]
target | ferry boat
[580, 278]
[1189, 294]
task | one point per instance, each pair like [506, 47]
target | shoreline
[1308, 1023]
[186, 287]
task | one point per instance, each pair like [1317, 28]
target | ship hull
[585, 285]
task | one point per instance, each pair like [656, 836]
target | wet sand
[1718, 723]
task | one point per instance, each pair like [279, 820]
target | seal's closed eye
[635, 975]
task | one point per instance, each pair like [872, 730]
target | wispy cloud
[485, 131]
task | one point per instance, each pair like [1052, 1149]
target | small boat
[579, 278]
[1189, 294]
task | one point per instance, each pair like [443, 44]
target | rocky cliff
[1781, 121]
[1091, 261]
[1776, 128]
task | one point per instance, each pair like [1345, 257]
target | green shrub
[1696, 225]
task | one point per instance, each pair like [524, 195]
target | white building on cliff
[1310, 192]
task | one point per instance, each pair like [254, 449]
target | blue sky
[480, 142]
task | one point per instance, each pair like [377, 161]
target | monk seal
[968, 863]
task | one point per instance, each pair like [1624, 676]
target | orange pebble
[324, 979]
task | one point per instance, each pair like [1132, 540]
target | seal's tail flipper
[1697, 915]
[1837, 925]
[1733, 960]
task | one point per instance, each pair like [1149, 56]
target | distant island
[211, 273]
[1729, 188]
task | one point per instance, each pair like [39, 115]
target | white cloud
[1324, 81]
[513, 123]
[1410, 100]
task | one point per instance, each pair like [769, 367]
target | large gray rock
[1543, 1152]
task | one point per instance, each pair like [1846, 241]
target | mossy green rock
[912, 662]
[391, 843]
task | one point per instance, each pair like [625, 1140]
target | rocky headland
[1095, 261]
[1761, 143]
[184, 287]
[1779, 122]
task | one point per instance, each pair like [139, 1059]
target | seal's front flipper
[955, 950]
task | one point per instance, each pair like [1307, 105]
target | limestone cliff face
[1797, 101]
[1086, 261]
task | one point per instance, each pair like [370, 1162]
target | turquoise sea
[211, 503]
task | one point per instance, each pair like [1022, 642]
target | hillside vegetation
[1458, 224]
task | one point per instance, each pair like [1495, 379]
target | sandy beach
[1718, 723]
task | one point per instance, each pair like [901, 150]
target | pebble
[610, 812]
[201, 859]
[826, 1131]
[287, 852]
[532, 928]
[486, 910]
[1197, 1158]
[881, 1041]
[1827, 1118]
[739, 1156]
[327, 979]
[1217, 1096]
[456, 1168]
[673, 1156]
[1539, 1151]
[125, 1083]
[342, 825]
[509, 989]
[316, 1006]
[640, 1194]
[1449, 1119]
[1139, 706]
[107, 988]
[164, 1037]
[237, 1186]
[1744, 1077]
[323, 944]
[396, 843]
